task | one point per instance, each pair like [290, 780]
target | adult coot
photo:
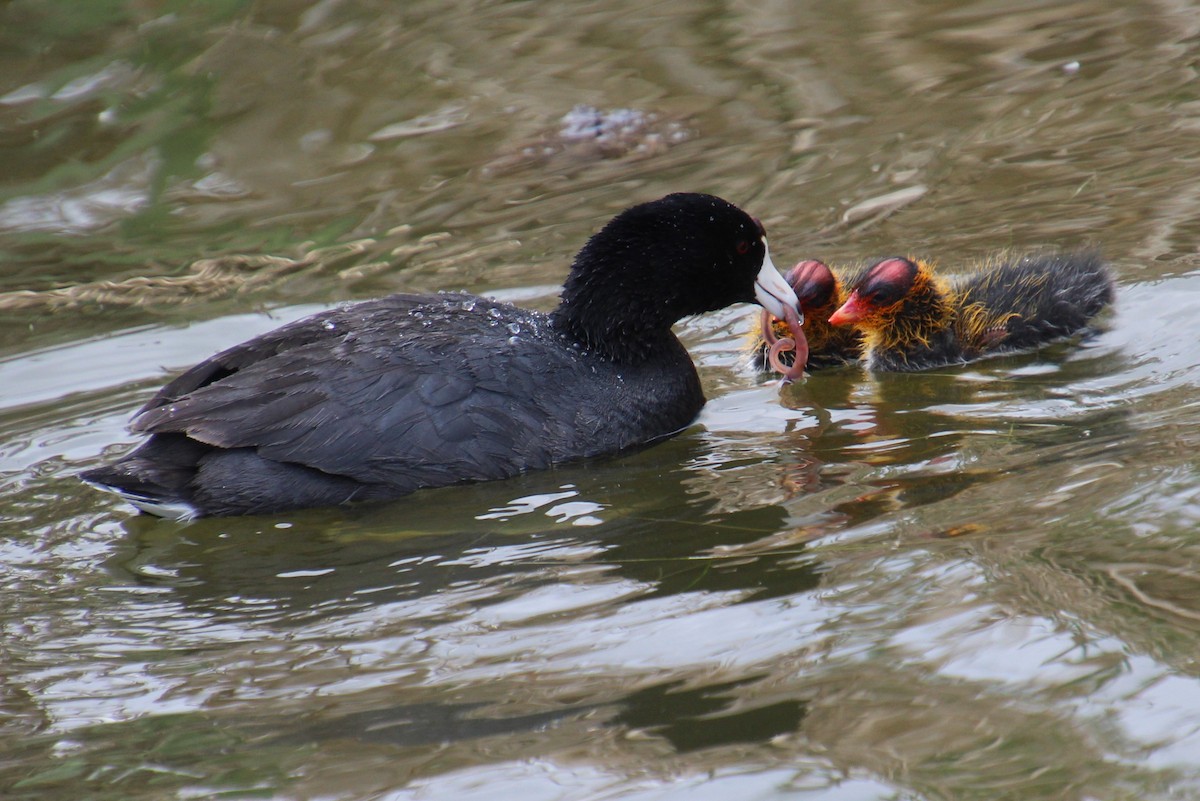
[820, 292]
[911, 319]
[374, 400]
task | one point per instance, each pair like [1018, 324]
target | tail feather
[150, 504]
[155, 478]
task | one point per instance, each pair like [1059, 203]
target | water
[976, 583]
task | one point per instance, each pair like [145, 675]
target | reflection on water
[972, 583]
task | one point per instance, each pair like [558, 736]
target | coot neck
[614, 314]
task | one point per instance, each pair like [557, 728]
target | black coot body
[374, 400]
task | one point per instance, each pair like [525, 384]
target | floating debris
[883, 205]
[441, 120]
[586, 133]
[206, 278]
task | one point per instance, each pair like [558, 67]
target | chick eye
[743, 247]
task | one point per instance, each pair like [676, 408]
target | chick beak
[854, 310]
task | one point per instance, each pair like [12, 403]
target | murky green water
[979, 583]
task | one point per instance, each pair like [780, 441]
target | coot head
[658, 262]
[884, 286]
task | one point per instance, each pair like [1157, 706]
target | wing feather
[391, 405]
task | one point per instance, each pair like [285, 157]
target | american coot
[374, 400]
[912, 320]
[820, 291]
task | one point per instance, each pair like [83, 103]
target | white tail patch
[159, 507]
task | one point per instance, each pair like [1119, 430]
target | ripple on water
[971, 582]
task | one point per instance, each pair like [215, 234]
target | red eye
[743, 247]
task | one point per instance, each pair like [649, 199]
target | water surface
[974, 583]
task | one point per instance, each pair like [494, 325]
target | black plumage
[374, 400]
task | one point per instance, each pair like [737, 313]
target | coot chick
[820, 291]
[913, 320]
[374, 400]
